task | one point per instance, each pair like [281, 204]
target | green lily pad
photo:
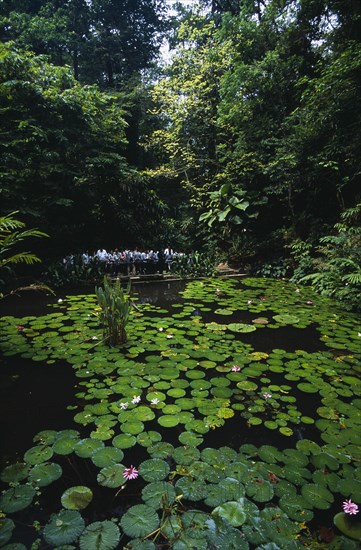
[45, 473]
[296, 507]
[145, 439]
[139, 521]
[15, 472]
[16, 498]
[191, 439]
[286, 319]
[191, 489]
[86, 447]
[348, 526]
[154, 469]
[76, 498]
[241, 327]
[231, 511]
[168, 420]
[317, 495]
[111, 476]
[158, 494]
[106, 456]
[102, 535]
[64, 528]
[65, 445]
[124, 441]
[38, 454]
[46, 437]
[7, 527]
[247, 385]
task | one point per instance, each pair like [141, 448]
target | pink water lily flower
[130, 473]
[236, 368]
[267, 395]
[350, 507]
[20, 328]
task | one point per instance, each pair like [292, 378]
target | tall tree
[62, 157]
[104, 41]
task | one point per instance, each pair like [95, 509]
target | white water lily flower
[136, 399]
[154, 401]
[60, 301]
[124, 406]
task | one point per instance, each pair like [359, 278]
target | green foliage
[336, 270]
[12, 233]
[103, 41]
[115, 304]
[63, 156]
[59, 274]
[196, 264]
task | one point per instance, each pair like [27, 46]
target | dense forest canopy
[245, 140]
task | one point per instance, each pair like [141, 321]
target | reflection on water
[161, 293]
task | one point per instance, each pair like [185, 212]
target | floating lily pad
[168, 421]
[192, 489]
[76, 498]
[139, 521]
[247, 385]
[64, 528]
[86, 447]
[45, 473]
[65, 445]
[286, 319]
[16, 498]
[241, 327]
[317, 495]
[124, 441]
[111, 476]
[154, 469]
[102, 535]
[348, 526]
[38, 454]
[158, 494]
[106, 456]
[231, 511]
[6, 530]
[15, 472]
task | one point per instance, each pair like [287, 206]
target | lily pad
[348, 526]
[231, 511]
[15, 472]
[64, 528]
[158, 494]
[76, 498]
[241, 327]
[45, 473]
[111, 476]
[102, 535]
[286, 319]
[154, 469]
[16, 498]
[317, 495]
[86, 447]
[139, 521]
[38, 454]
[106, 456]
[6, 530]
[124, 441]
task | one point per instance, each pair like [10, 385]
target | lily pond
[230, 419]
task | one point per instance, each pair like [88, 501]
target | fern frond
[21, 257]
